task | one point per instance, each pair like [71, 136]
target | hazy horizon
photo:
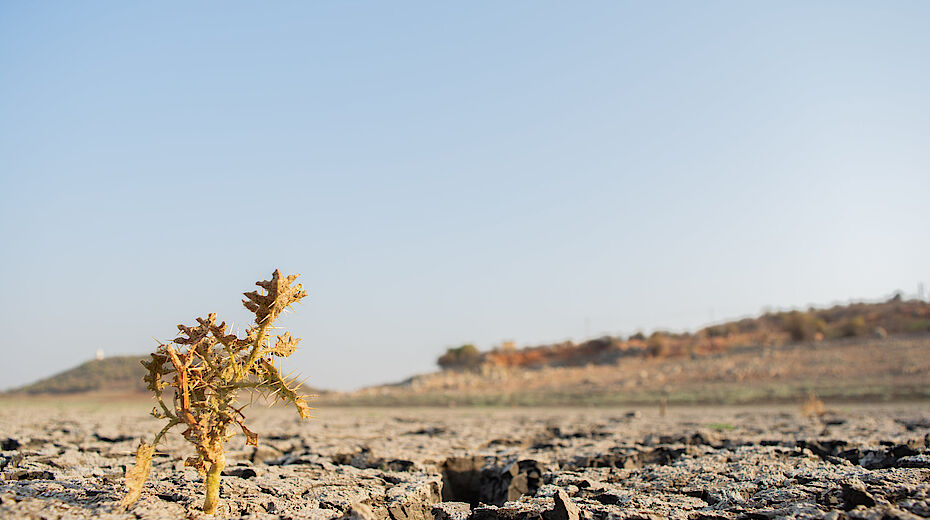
[442, 175]
[919, 295]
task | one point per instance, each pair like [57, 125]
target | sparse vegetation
[206, 368]
[658, 345]
[803, 326]
[853, 328]
[464, 357]
[813, 407]
[918, 325]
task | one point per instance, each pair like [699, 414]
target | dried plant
[813, 407]
[206, 368]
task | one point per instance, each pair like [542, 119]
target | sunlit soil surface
[66, 460]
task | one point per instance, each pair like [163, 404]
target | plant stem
[174, 421]
[257, 346]
[213, 483]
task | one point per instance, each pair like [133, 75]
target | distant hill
[118, 373]
[848, 369]
[895, 317]
[861, 350]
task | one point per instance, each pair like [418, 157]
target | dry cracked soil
[860, 462]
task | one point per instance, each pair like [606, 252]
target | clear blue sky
[447, 173]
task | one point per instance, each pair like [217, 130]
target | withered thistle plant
[206, 368]
[813, 408]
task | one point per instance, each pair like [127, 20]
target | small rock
[13, 461]
[564, 508]
[855, 494]
[358, 511]
[451, 511]
[907, 449]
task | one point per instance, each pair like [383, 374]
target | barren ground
[64, 459]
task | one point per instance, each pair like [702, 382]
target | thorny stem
[174, 422]
[233, 362]
[257, 346]
[165, 409]
[212, 483]
[206, 359]
[161, 402]
[247, 384]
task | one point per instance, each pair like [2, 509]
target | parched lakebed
[68, 460]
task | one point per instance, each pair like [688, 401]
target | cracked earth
[857, 462]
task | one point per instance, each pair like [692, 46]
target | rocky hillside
[895, 317]
[851, 369]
